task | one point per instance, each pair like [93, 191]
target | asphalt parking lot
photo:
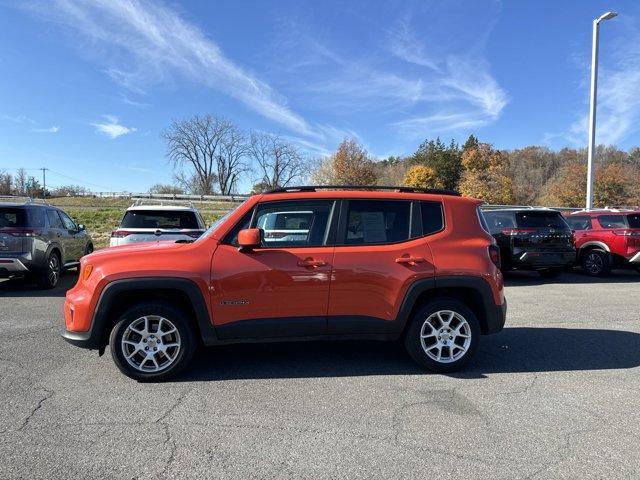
[555, 395]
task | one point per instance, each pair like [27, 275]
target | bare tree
[213, 147]
[20, 181]
[278, 162]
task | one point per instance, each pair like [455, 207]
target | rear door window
[160, 220]
[633, 220]
[579, 222]
[540, 220]
[612, 221]
[374, 222]
[497, 221]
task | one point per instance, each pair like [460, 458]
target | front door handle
[310, 262]
[410, 260]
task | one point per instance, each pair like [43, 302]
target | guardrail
[170, 196]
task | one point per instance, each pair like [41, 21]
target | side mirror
[80, 227]
[249, 238]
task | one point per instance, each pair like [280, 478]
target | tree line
[211, 155]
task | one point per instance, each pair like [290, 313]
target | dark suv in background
[41, 241]
[532, 239]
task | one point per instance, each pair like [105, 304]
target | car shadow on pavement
[514, 350]
[527, 279]
[21, 287]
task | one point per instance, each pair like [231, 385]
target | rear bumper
[535, 260]
[496, 318]
[12, 266]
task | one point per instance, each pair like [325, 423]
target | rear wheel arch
[474, 292]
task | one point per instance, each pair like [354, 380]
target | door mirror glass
[81, 227]
[249, 238]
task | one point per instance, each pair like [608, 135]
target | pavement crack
[47, 395]
[171, 443]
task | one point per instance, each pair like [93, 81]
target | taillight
[22, 232]
[514, 232]
[627, 233]
[494, 255]
[120, 234]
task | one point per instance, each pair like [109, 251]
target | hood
[137, 248]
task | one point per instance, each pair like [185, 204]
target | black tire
[596, 263]
[551, 272]
[414, 344]
[49, 276]
[185, 338]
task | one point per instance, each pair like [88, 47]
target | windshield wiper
[185, 240]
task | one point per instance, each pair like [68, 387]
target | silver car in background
[152, 223]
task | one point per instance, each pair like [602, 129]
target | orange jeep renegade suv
[303, 263]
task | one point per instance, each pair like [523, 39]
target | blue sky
[86, 87]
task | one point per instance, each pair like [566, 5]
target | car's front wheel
[152, 342]
[443, 335]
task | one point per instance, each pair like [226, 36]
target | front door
[282, 288]
[76, 238]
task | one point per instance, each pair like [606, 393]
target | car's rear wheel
[443, 335]
[596, 263]
[152, 342]
[49, 276]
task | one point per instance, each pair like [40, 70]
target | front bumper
[635, 260]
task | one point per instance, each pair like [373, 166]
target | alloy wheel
[54, 269]
[594, 263]
[151, 343]
[445, 336]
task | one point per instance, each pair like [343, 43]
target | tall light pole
[592, 105]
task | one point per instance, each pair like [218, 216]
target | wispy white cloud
[17, 118]
[112, 128]
[404, 44]
[618, 109]
[147, 42]
[53, 129]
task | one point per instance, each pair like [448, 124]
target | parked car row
[550, 242]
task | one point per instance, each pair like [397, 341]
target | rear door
[380, 250]
[282, 288]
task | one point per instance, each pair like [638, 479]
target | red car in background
[606, 239]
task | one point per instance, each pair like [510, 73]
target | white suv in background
[152, 223]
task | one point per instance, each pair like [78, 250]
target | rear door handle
[309, 262]
[410, 260]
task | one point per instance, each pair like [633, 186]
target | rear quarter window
[432, 220]
[612, 221]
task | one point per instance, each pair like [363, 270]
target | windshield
[160, 219]
[218, 222]
[540, 220]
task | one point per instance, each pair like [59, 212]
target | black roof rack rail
[314, 188]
